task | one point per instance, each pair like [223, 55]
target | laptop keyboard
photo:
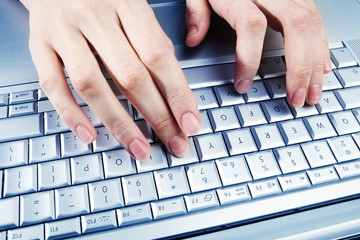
[250, 146]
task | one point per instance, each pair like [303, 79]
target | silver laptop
[300, 181]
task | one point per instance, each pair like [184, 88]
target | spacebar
[21, 127]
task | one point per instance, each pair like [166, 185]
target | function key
[24, 96]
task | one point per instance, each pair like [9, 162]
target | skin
[140, 59]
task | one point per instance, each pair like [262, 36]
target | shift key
[21, 127]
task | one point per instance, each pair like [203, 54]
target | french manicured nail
[138, 149]
[243, 86]
[189, 123]
[178, 145]
[314, 94]
[298, 98]
[84, 134]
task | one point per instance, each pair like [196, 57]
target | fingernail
[189, 123]
[298, 98]
[178, 145]
[191, 33]
[138, 149]
[315, 94]
[327, 64]
[84, 134]
[243, 86]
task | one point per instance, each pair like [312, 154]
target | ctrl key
[63, 228]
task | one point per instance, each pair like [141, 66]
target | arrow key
[322, 175]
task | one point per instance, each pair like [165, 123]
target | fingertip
[242, 86]
[178, 145]
[314, 94]
[139, 150]
[191, 39]
[85, 134]
[298, 97]
[190, 123]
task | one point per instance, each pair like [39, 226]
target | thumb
[197, 21]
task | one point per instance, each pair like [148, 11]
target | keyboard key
[71, 145]
[264, 188]
[156, 160]
[257, 92]
[118, 163]
[318, 153]
[105, 140]
[54, 123]
[239, 141]
[304, 111]
[44, 148]
[22, 109]
[348, 169]
[201, 200]
[145, 129]
[20, 180]
[344, 122]
[294, 131]
[21, 127]
[322, 175]
[356, 113]
[203, 176]
[276, 87]
[71, 201]
[205, 124]
[45, 106]
[223, 119]
[91, 115]
[272, 67]
[262, 164]
[189, 157]
[9, 208]
[349, 77]
[344, 148]
[63, 228]
[205, 98]
[210, 146]
[171, 182]
[250, 114]
[105, 195]
[135, 214]
[328, 103]
[276, 110]
[227, 95]
[168, 207]
[331, 82]
[13, 154]
[37, 207]
[233, 170]
[86, 168]
[139, 188]
[319, 127]
[267, 136]
[349, 97]
[291, 159]
[233, 194]
[24, 96]
[54, 174]
[98, 221]
[4, 99]
[294, 181]
[35, 232]
[3, 112]
[342, 57]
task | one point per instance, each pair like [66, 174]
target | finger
[297, 30]
[250, 26]
[197, 21]
[135, 82]
[53, 83]
[146, 37]
[90, 84]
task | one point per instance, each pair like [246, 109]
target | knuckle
[316, 18]
[254, 22]
[303, 72]
[118, 130]
[178, 96]
[83, 80]
[300, 17]
[162, 124]
[155, 54]
[46, 84]
[130, 78]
